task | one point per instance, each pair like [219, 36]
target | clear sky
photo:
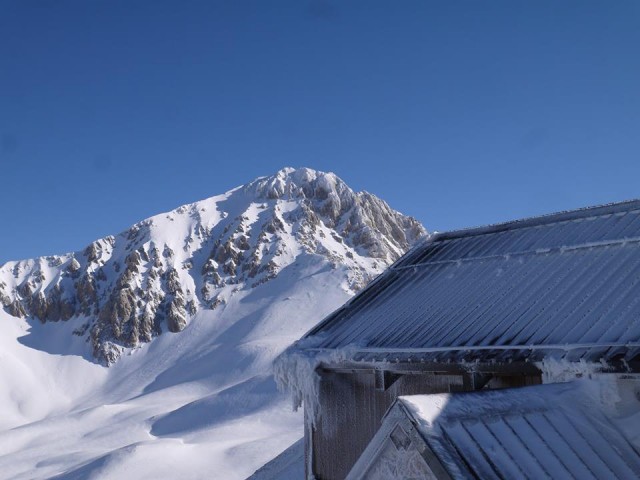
[458, 113]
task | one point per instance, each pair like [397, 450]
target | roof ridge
[538, 220]
[537, 251]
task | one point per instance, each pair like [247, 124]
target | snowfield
[196, 404]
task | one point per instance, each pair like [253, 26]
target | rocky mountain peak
[126, 289]
[298, 183]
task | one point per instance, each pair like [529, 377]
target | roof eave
[415, 366]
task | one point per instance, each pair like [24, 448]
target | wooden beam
[475, 380]
[384, 379]
[515, 368]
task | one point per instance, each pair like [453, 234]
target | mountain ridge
[127, 289]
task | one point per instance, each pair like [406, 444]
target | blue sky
[458, 113]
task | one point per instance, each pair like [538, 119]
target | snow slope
[196, 401]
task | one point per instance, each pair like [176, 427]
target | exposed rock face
[162, 271]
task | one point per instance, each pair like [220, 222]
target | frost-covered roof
[545, 431]
[533, 432]
[567, 284]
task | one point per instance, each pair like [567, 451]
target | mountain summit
[124, 290]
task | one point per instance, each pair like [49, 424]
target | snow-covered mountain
[189, 309]
[158, 274]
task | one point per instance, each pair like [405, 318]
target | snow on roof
[565, 285]
[545, 431]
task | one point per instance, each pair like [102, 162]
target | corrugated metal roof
[566, 282]
[546, 431]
